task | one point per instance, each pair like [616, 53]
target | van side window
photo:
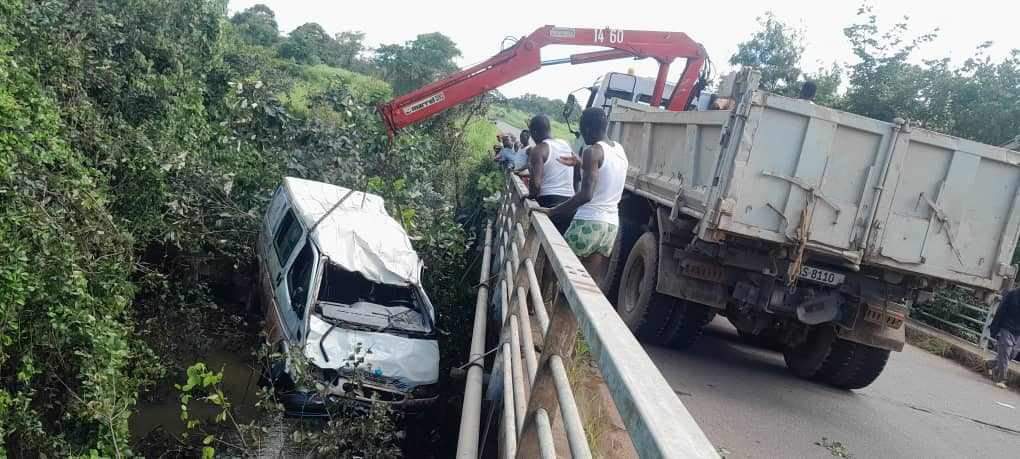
[299, 279]
[287, 236]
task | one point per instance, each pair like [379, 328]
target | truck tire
[643, 310]
[851, 365]
[626, 237]
[807, 358]
[767, 339]
[686, 323]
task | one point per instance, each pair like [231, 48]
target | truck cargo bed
[864, 191]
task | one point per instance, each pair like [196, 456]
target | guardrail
[961, 318]
[535, 386]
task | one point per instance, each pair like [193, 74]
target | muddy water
[435, 434]
[240, 383]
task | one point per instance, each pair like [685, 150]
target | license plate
[821, 276]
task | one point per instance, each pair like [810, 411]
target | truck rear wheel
[626, 237]
[645, 311]
[687, 321]
[767, 339]
[851, 365]
[806, 359]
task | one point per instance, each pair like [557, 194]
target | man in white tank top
[603, 171]
[551, 182]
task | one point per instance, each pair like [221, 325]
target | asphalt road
[922, 406]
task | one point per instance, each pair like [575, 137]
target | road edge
[942, 344]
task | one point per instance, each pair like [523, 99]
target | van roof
[358, 235]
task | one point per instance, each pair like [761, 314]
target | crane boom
[524, 57]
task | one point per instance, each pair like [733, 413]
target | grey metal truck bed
[859, 190]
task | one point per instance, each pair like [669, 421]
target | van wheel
[851, 365]
[644, 311]
[687, 322]
[806, 359]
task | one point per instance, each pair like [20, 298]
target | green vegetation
[141, 139]
[519, 119]
[139, 143]
[978, 99]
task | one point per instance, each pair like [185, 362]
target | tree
[417, 62]
[349, 45]
[306, 44]
[257, 25]
[883, 83]
[775, 50]
[827, 82]
[987, 101]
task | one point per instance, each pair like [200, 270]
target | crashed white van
[339, 278]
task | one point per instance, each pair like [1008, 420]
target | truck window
[616, 94]
[299, 279]
[287, 236]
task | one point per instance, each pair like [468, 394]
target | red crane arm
[525, 57]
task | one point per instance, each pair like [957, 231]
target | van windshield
[348, 297]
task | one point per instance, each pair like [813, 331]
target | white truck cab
[626, 87]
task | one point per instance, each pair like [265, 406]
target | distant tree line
[978, 99]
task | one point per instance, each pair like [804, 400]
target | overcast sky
[478, 27]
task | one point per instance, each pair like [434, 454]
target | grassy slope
[520, 119]
[315, 78]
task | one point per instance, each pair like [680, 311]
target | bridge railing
[951, 311]
[533, 274]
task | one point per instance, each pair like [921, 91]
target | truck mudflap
[878, 326]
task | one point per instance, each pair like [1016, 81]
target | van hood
[410, 362]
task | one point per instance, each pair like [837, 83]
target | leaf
[208, 440]
[208, 452]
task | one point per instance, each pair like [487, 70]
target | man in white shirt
[551, 182]
[603, 171]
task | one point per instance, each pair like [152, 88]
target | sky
[478, 27]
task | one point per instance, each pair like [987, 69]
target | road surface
[922, 406]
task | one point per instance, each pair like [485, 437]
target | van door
[288, 236]
[295, 292]
[271, 226]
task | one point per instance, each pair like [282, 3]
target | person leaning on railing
[601, 171]
[551, 182]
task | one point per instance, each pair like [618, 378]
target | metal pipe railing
[509, 412]
[538, 304]
[545, 439]
[536, 386]
[471, 411]
[568, 409]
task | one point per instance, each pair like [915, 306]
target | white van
[339, 279]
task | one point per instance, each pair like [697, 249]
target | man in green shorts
[602, 170]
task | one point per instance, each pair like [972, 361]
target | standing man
[603, 171]
[525, 140]
[807, 91]
[552, 182]
[1005, 327]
